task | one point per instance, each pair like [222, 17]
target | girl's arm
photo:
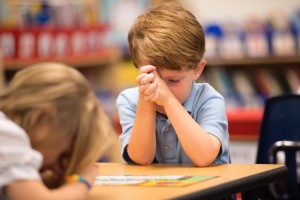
[37, 190]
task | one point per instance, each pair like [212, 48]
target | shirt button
[167, 148]
[166, 129]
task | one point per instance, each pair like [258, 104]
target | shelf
[103, 57]
[244, 124]
[270, 60]
[266, 76]
[78, 47]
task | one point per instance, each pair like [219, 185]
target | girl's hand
[89, 173]
[53, 175]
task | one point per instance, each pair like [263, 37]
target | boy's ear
[199, 69]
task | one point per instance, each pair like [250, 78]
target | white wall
[212, 10]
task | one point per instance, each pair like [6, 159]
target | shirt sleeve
[126, 106]
[214, 121]
[18, 161]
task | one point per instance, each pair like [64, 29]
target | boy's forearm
[142, 144]
[193, 138]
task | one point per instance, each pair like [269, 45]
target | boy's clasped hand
[147, 82]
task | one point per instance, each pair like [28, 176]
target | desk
[233, 178]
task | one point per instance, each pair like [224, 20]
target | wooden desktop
[231, 179]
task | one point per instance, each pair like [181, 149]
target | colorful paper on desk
[150, 180]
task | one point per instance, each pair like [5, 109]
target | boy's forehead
[169, 73]
[144, 62]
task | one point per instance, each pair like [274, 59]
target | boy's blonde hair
[71, 105]
[167, 36]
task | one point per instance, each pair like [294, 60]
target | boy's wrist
[78, 178]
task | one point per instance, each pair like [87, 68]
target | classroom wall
[238, 10]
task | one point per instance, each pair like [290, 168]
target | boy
[169, 118]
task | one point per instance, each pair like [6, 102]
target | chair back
[281, 122]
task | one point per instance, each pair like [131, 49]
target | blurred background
[252, 52]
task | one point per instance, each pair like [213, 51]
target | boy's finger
[154, 97]
[140, 77]
[149, 78]
[142, 88]
[147, 69]
[147, 98]
[150, 88]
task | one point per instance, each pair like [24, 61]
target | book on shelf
[246, 90]
[267, 83]
[292, 75]
[221, 80]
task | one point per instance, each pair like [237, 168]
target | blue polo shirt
[204, 104]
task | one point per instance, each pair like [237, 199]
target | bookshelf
[246, 61]
[267, 76]
[70, 32]
[106, 56]
[246, 83]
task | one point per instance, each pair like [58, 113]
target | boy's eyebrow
[172, 77]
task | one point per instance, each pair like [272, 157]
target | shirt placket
[168, 143]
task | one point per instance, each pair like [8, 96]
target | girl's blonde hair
[74, 109]
[167, 36]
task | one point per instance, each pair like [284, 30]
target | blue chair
[280, 132]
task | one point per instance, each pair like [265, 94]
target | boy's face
[178, 81]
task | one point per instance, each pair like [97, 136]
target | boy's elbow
[139, 158]
[144, 162]
[202, 163]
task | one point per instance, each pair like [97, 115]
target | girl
[51, 130]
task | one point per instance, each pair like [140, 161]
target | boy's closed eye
[173, 81]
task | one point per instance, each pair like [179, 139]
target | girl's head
[57, 107]
[167, 36]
